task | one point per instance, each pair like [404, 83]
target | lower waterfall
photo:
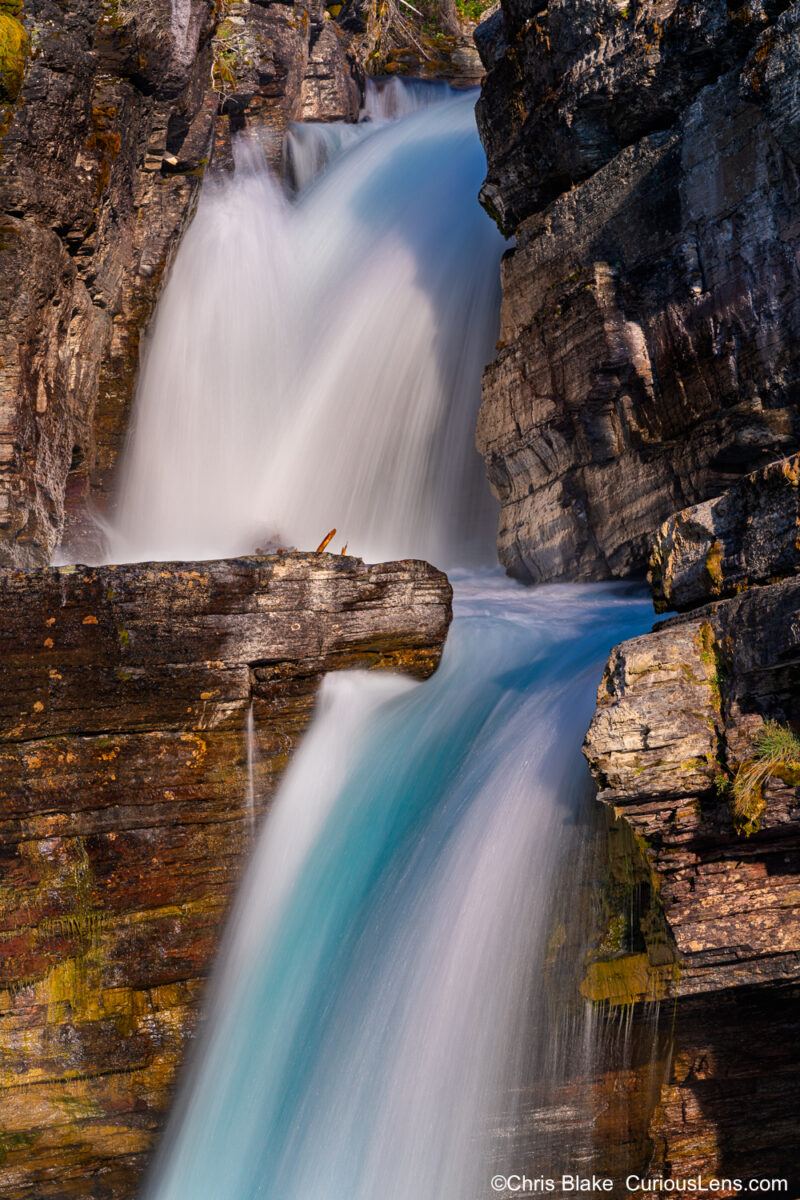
[386, 986]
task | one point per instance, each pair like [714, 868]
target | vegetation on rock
[776, 749]
[13, 50]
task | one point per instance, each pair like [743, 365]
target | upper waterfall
[317, 363]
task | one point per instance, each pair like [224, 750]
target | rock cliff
[110, 112]
[127, 812]
[693, 751]
[645, 156]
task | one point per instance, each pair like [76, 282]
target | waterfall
[374, 1002]
[318, 364]
[387, 983]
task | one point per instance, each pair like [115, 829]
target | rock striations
[110, 113]
[645, 156]
[126, 812]
[678, 749]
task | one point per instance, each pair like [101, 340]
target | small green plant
[775, 748]
[472, 10]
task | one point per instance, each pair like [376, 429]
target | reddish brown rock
[678, 712]
[124, 819]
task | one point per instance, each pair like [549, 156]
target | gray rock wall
[644, 157]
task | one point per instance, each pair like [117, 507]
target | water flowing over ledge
[318, 363]
[383, 994]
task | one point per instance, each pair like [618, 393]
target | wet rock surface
[646, 361]
[678, 717]
[678, 710]
[127, 812]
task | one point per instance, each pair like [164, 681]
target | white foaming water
[311, 146]
[318, 364]
[382, 989]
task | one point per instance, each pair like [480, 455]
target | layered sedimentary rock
[645, 157]
[748, 536]
[677, 733]
[129, 798]
[109, 115]
[677, 714]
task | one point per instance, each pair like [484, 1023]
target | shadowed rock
[643, 156]
[749, 536]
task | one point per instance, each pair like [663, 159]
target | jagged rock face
[109, 115]
[126, 817]
[748, 536]
[578, 83]
[91, 219]
[677, 713]
[651, 306]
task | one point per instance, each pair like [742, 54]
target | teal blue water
[380, 979]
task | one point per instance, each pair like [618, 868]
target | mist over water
[317, 364]
[381, 993]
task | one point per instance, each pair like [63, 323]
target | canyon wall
[129, 798]
[642, 412]
[110, 113]
[645, 156]
[677, 749]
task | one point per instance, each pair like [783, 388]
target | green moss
[714, 568]
[711, 656]
[472, 10]
[13, 52]
[723, 785]
[9, 1142]
[633, 958]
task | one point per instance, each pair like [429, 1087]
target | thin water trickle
[250, 743]
[387, 985]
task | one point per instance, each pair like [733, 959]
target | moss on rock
[13, 51]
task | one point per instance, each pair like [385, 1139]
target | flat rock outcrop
[644, 156]
[129, 798]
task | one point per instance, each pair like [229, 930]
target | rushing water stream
[381, 991]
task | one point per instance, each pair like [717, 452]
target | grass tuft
[775, 747]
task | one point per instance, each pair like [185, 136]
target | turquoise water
[379, 998]
[380, 986]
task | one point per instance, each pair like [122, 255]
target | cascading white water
[381, 989]
[309, 148]
[378, 997]
[318, 364]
